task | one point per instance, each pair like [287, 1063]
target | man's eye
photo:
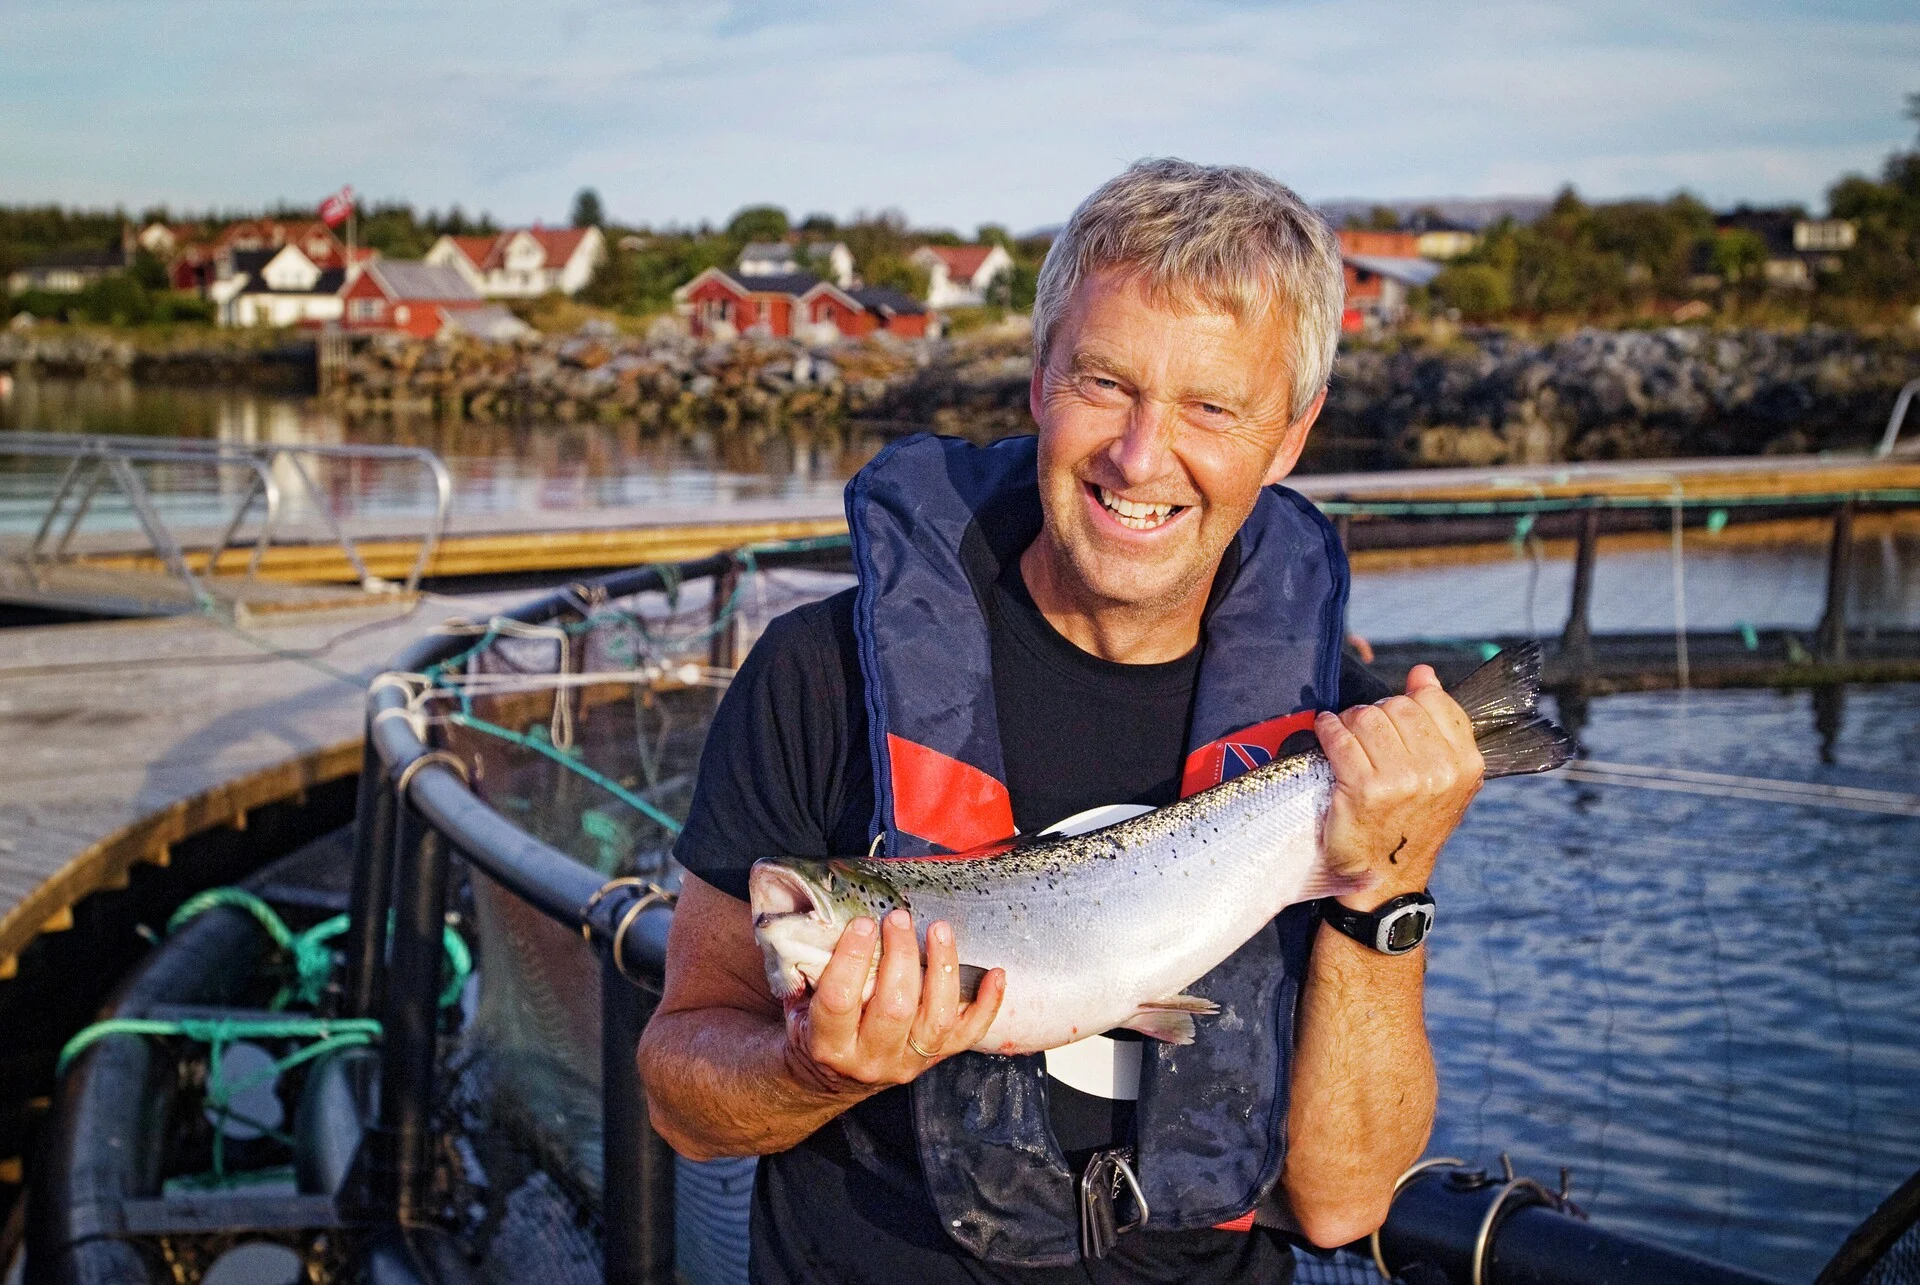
[1211, 409]
[1108, 385]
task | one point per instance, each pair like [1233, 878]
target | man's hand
[1404, 772]
[847, 1047]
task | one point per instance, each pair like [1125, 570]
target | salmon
[1109, 928]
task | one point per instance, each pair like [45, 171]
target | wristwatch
[1394, 929]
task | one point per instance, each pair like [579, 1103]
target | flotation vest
[933, 521]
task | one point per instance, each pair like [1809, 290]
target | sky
[1006, 111]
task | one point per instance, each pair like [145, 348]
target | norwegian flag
[335, 209]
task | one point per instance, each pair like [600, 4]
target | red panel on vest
[1240, 751]
[1243, 1223]
[942, 800]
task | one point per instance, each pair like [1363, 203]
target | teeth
[1133, 514]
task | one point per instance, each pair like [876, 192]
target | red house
[1380, 268]
[720, 305]
[416, 298]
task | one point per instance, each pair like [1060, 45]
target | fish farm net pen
[557, 768]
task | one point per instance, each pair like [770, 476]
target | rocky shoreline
[1479, 398]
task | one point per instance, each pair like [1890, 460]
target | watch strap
[1409, 916]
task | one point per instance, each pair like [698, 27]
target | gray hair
[1221, 235]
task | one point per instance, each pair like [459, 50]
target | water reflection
[496, 468]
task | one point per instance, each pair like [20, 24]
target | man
[1118, 614]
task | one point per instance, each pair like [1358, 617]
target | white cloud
[958, 113]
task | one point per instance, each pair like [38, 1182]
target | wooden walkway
[124, 738]
[568, 540]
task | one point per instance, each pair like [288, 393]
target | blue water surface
[1709, 1008]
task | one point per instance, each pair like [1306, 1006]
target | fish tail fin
[1501, 698]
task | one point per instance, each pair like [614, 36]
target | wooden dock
[580, 540]
[124, 738]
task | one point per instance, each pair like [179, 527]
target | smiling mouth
[1134, 514]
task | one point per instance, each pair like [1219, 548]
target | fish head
[801, 907]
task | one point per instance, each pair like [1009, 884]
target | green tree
[897, 272]
[1481, 291]
[1739, 255]
[994, 234]
[586, 209]
[758, 223]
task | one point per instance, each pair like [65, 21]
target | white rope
[1756, 788]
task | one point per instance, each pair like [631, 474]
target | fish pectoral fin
[970, 978]
[1170, 1019]
[1184, 1003]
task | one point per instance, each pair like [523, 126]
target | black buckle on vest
[1108, 1180]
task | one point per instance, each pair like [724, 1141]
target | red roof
[559, 243]
[477, 248]
[962, 260]
[490, 252]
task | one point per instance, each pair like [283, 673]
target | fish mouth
[775, 893]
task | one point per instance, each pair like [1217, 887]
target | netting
[586, 733]
[1700, 998]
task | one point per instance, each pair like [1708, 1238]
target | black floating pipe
[1577, 638]
[371, 894]
[1436, 1220]
[1833, 621]
[402, 1170]
[638, 1182]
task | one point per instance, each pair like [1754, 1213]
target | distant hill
[1475, 212]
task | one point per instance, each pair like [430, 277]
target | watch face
[1407, 928]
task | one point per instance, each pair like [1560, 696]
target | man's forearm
[721, 1082]
[1363, 1087]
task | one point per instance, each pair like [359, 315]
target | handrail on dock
[95, 459]
[1900, 404]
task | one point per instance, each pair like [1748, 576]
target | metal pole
[371, 897]
[53, 508]
[1833, 623]
[638, 1165]
[403, 1168]
[720, 652]
[1576, 640]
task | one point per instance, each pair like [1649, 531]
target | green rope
[1495, 508]
[224, 1030]
[541, 745]
[311, 955]
[329, 1035]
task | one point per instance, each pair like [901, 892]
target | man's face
[1158, 427]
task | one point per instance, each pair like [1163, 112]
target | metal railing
[96, 461]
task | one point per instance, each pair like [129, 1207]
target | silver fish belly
[1094, 930]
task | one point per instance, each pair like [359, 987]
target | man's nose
[1141, 450]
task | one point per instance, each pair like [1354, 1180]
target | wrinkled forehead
[1231, 342]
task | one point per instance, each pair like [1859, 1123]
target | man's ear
[1294, 442]
[1035, 389]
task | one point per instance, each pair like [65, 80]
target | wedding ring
[915, 1046]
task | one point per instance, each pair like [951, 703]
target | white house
[524, 263]
[280, 287]
[830, 259]
[959, 276]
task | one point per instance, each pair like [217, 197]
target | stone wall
[1495, 399]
